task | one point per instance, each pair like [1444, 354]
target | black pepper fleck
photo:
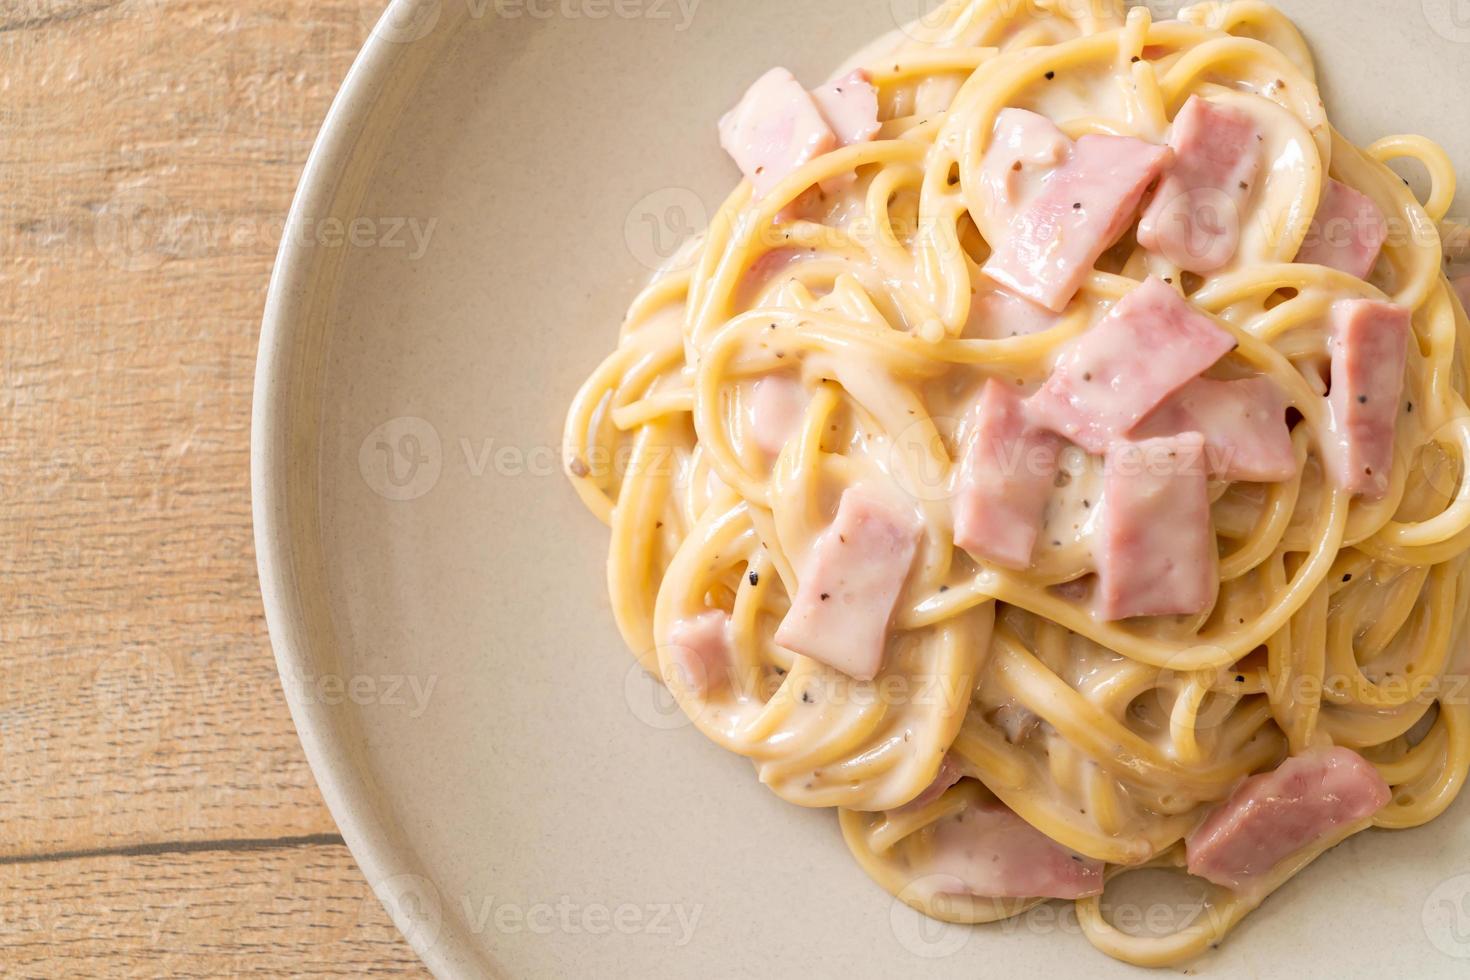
[1050, 75]
[826, 596]
[755, 578]
[1348, 577]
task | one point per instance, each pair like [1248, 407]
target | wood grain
[273, 910]
[149, 149]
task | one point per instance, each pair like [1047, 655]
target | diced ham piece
[1080, 210]
[1158, 555]
[1274, 815]
[775, 130]
[850, 584]
[949, 773]
[1243, 422]
[777, 405]
[1370, 349]
[1151, 344]
[1005, 479]
[698, 651]
[1024, 147]
[988, 851]
[1347, 232]
[850, 106]
[996, 314]
[1195, 217]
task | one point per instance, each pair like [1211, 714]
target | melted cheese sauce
[1113, 739]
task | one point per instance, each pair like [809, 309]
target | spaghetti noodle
[850, 297]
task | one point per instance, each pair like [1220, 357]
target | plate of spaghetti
[1033, 469]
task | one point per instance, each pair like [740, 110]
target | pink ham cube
[698, 652]
[996, 314]
[1194, 218]
[1274, 815]
[987, 850]
[1243, 422]
[850, 106]
[1082, 208]
[850, 584]
[1157, 556]
[775, 130]
[779, 127]
[1005, 480]
[1347, 232]
[777, 405]
[1151, 344]
[1024, 149]
[1370, 349]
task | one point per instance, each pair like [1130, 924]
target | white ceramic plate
[494, 182]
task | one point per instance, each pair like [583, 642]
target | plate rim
[289, 296]
[295, 281]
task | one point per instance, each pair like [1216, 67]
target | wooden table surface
[158, 815]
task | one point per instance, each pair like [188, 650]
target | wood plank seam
[179, 847]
